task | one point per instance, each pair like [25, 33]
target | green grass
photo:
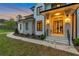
[5, 30]
[14, 47]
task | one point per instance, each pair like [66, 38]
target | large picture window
[39, 25]
[58, 27]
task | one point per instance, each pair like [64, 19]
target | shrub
[10, 24]
[28, 35]
[76, 42]
[33, 34]
[16, 31]
[42, 37]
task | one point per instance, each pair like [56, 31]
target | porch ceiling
[71, 7]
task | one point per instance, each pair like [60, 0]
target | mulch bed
[27, 36]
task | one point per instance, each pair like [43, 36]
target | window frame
[26, 24]
[39, 25]
[20, 26]
[39, 9]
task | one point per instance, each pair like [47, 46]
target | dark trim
[72, 25]
[26, 19]
[76, 23]
[59, 7]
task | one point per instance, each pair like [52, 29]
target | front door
[57, 25]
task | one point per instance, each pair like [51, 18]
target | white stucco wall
[30, 28]
[38, 18]
[23, 27]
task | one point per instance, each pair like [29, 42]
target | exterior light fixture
[67, 20]
[47, 21]
[57, 14]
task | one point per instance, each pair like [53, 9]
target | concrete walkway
[5, 32]
[70, 49]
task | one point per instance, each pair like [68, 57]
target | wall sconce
[47, 21]
[67, 20]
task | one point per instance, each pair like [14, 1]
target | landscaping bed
[41, 37]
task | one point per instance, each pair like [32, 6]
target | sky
[11, 10]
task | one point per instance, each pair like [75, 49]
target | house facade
[39, 19]
[58, 21]
[26, 25]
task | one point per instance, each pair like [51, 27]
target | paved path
[5, 32]
[70, 49]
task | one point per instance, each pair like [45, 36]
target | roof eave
[58, 8]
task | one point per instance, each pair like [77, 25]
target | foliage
[42, 37]
[10, 24]
[76, 42]
[5, 30]
[16, 31]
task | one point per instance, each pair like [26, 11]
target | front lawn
[13, 47]
[5, 30]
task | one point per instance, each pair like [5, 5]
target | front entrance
[57, 25]
[62, 24]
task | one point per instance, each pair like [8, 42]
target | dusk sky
[10, 10]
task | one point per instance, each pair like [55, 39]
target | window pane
[20, 26]
[39, 25]
[26, 26]
[39, 9]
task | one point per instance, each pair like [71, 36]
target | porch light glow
[67, 20]
[57, 14]
[47, 21]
